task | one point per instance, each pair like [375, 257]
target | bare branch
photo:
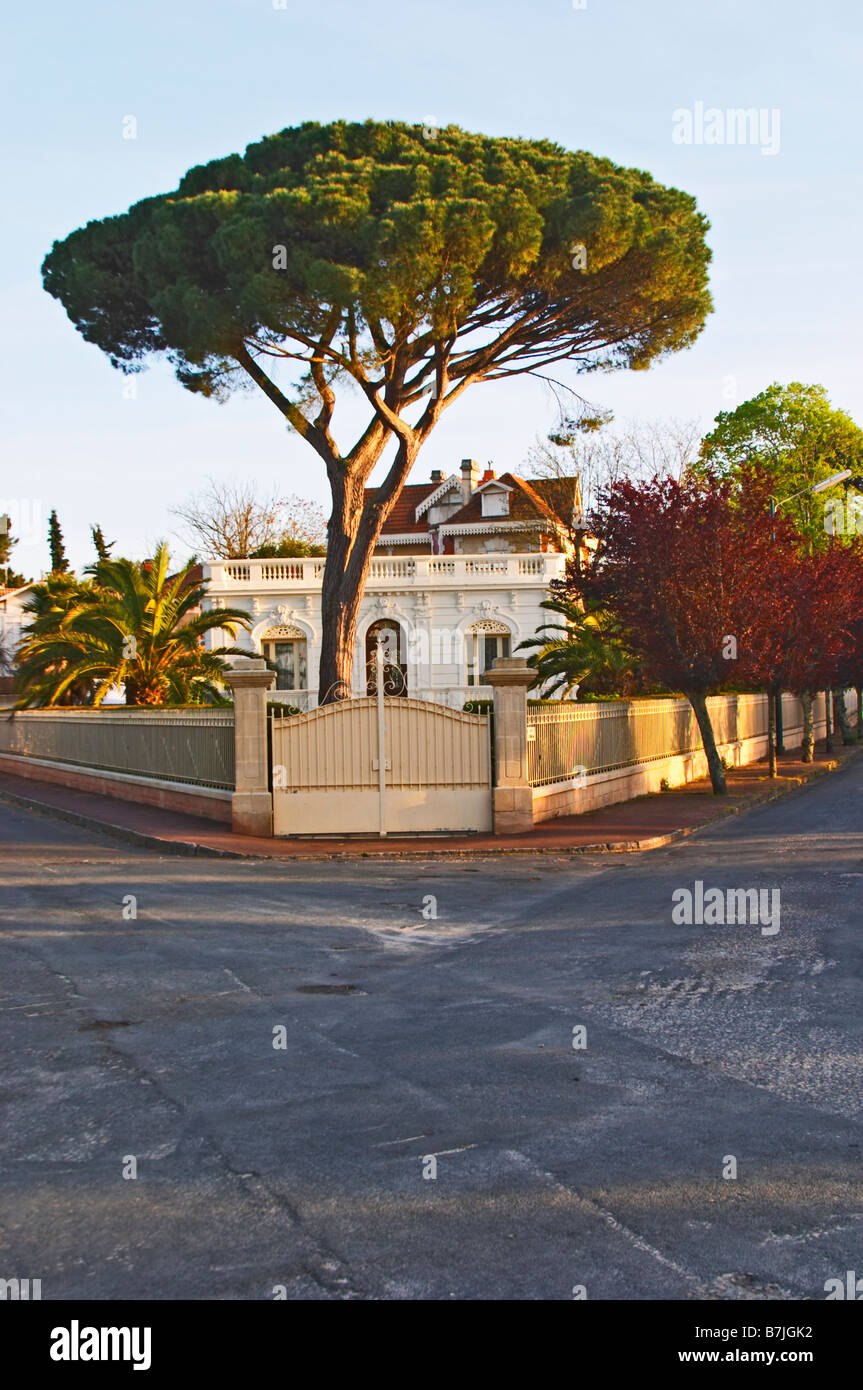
[232, 520]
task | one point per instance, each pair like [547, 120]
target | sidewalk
[648, 822]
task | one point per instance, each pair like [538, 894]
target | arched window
[285, 647]
[485, 641]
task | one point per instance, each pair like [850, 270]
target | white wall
[622, 784]
[434, 625]
[12, 617]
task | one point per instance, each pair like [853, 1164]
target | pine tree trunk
[714, 762]
[352, 534]
[345, 570]
[356, 519]
[808, 743]
[340, 604]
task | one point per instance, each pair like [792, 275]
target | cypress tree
[59, 563]
[103, 547]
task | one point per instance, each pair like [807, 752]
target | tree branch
[318, 439]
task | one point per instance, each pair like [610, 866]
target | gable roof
[402, 518]
[541, 499]
[547, 499]
[563, 495]
[192, 580]
[14, 592]
[448, 484]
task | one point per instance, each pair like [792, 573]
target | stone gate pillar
[252, 802]
[509, 678]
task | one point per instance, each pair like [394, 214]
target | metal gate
[379, 765]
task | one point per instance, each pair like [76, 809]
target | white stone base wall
[622, 784]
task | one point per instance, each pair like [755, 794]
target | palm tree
[46, 651]
[131, 625]
[586, 649]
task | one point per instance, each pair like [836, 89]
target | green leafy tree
[9, 578]
[59, 563]
[131, 624]
[7, 540]
[585, 650]
[372, 260]
[794, 436]
[288, 548]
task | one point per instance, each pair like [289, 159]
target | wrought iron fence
[571, 739]
[189, 745]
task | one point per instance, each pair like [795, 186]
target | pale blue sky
[203, 78]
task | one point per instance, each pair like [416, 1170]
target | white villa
[12, 619]
[12, 612]
[457, 578]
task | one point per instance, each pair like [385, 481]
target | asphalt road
[300, 1168]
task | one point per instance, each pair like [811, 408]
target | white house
[457, 578]
[12, 615]
[12, 618]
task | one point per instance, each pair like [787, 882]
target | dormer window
[495, 501]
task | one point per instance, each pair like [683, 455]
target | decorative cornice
[492, 625]
[439, 492]
[473, 528]
[402, 538]
[493, 482]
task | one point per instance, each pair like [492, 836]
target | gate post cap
[248, 663]
[510, 670]
[249, 673]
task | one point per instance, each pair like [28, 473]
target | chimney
[469, 477]
[487, 477]
[437, 475]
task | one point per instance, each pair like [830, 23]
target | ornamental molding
[283, 632]
[403, 538]
[446, 486]
[493, 482]
[489, 625]
[474, 528]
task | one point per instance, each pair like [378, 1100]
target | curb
[183, 848]
[192, 849]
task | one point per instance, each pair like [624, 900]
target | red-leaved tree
[678, 564]
[806, 630]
